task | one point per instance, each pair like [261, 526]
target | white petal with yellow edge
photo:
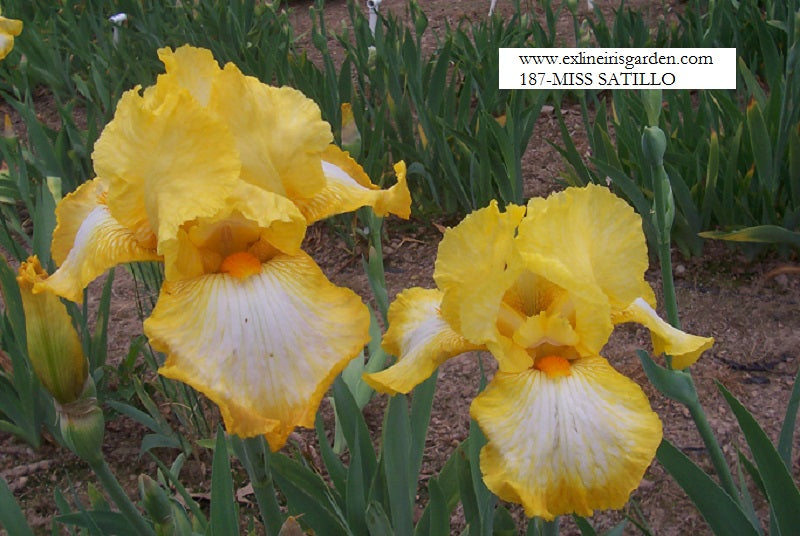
[264, 348]
[94, 242]
[421, 340]
[684, 348]
[568, 444]
[347, 188]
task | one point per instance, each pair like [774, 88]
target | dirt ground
[751, 311]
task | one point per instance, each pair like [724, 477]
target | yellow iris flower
[541, 287]
[9, 29]
[218, 175]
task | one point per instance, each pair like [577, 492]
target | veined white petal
[265, 348]
[567, 444]
[99, 244]
[684, 348]
[420, 338]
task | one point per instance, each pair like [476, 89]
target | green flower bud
[654, 145]
[651, 98]
[82, 428]
[54, 348]
[156, 503]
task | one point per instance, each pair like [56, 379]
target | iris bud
[54, 348]
[654, 145]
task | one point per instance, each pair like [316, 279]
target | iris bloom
[541, 288]
[218, 175]
[9, 28]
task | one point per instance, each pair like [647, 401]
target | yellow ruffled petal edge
[565, 445]
[93, 241]
[54, 348]
[684, 348]
[192, 68]
[280, 133]
[167, 161]
[594, 232]
[421, 340]
[347, 188]
[472, 270]
[265, 348]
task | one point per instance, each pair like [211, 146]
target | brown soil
[753, 318]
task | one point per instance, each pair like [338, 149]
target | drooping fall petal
[264, 348]
[347, 188]
[684, 348]
[569, 444]
[421, 340]
[88, 241]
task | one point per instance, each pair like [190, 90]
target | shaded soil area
[749, 306]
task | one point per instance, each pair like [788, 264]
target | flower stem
[654, 146]
[120, 498]
[255, 457]
[714, 450]
[662, 194]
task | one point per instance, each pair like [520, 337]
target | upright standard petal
[684, 348]
[167, 162]
[9, 28]
[567, 444]
[472, 269]
[597, 235]
[88, 241]
[192, 68]
[265, 348]
[279, 133]
[347, 188]
[421, 340]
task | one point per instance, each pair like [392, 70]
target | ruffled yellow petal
[9, 28]
[248, 215]
[570, 444]
[54, 348]
[264, 348]
[546, 285]
[279, 133]
[472, 269]
[553, 330]
[167, 162]
[684, 348]
[88, 241]
[347, 188]
[192, 68]
[594, 233]
[421, 340]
